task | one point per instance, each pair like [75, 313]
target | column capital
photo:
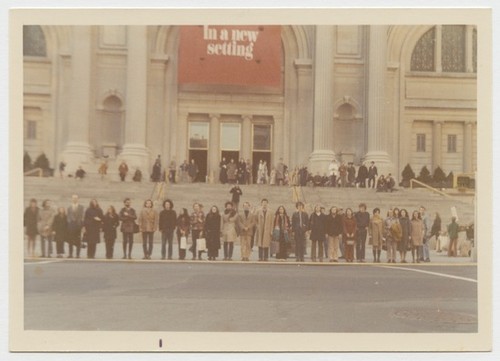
[246, 117]
[468, 123]
[214, 116]
[438, 122]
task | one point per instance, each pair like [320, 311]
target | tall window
[34, 41]
[198, 135]
[451, 40]
[230, 136]
[262, 137]
[31, 129]
[420, 142]
[452, 143]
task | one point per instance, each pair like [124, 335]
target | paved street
[202, 296]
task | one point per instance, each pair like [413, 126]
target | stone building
[391, 94]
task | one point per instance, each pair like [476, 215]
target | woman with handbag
[318, 233]
[212, 232]
[183, 228]
[349, 234]
[376, 232]
[229, 234]
[280, 232]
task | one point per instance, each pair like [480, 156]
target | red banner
[248, 55]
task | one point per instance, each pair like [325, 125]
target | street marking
[41, 262]
[434, 273]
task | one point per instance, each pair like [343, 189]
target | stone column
[278, 141]
[246, 137]
[301, 128]
[377, 123]
[134, 149]
[214, 149]
[323, 100]
[437, 135]
[468, 154]
[77, 150]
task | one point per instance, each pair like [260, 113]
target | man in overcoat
[246, 224]
[264, 230]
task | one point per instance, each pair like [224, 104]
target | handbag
[201, 244]
[136, 228]
[183, 242]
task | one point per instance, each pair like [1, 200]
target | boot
[378, 255]
[374, 255]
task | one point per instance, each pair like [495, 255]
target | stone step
[112, 191]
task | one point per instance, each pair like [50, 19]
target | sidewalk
[137, 255]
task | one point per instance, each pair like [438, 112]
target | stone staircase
[111, 191]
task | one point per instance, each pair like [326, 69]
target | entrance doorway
[256, 158]
[200, 158]
[230, 154]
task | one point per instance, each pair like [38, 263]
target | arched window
[452, 41]
[422, 58]
[34, 41]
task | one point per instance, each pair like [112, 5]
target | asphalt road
[202, 296]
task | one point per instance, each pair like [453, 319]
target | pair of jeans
[333, 248]
[128, 239]
[360, 244]
[147, 243]
[426, 254]
[319, 245]
[167, 237]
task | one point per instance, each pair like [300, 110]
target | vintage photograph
[194, 175]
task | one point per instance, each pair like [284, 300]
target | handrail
[33, 171]
[413, 180]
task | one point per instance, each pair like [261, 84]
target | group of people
[333, 235]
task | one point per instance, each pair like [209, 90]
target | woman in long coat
[148, 224]
[110, 223]
[60, 229]
[264, 230]
[280, 232]
[92, 221]
[31, 218]
[404, 221]
[417, 236]
[333, 228]
[212, 232]
[349, 234]
[229, 233]
[376, 231]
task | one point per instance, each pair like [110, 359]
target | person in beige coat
[376, 232]
[416, 236]
[264, 231]
[246, 224]
[47, 214]
[229, 234]
[148, 224]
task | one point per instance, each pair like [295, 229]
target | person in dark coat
[318, 233]
[362, 175]
[183, 228]
[31, 218]
[349, 234]
[362, 222]
[300, 225]
[404, 221]
[212, 230]
[127, 217]
[236, 194]
[193, 171]
[156, 172]
[372, 175]
[223, 171]
[241, 171]
[92, 222]
[60, 229]
[351, 175]
[436, 228]
[333, 228]
[123, 170]
[167, 224]
[281, 227]
[110, 223]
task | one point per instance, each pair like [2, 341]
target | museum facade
[395, 95]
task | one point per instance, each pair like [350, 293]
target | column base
[76, 154]
[319, 160]
[137, 157]
[382, 162]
